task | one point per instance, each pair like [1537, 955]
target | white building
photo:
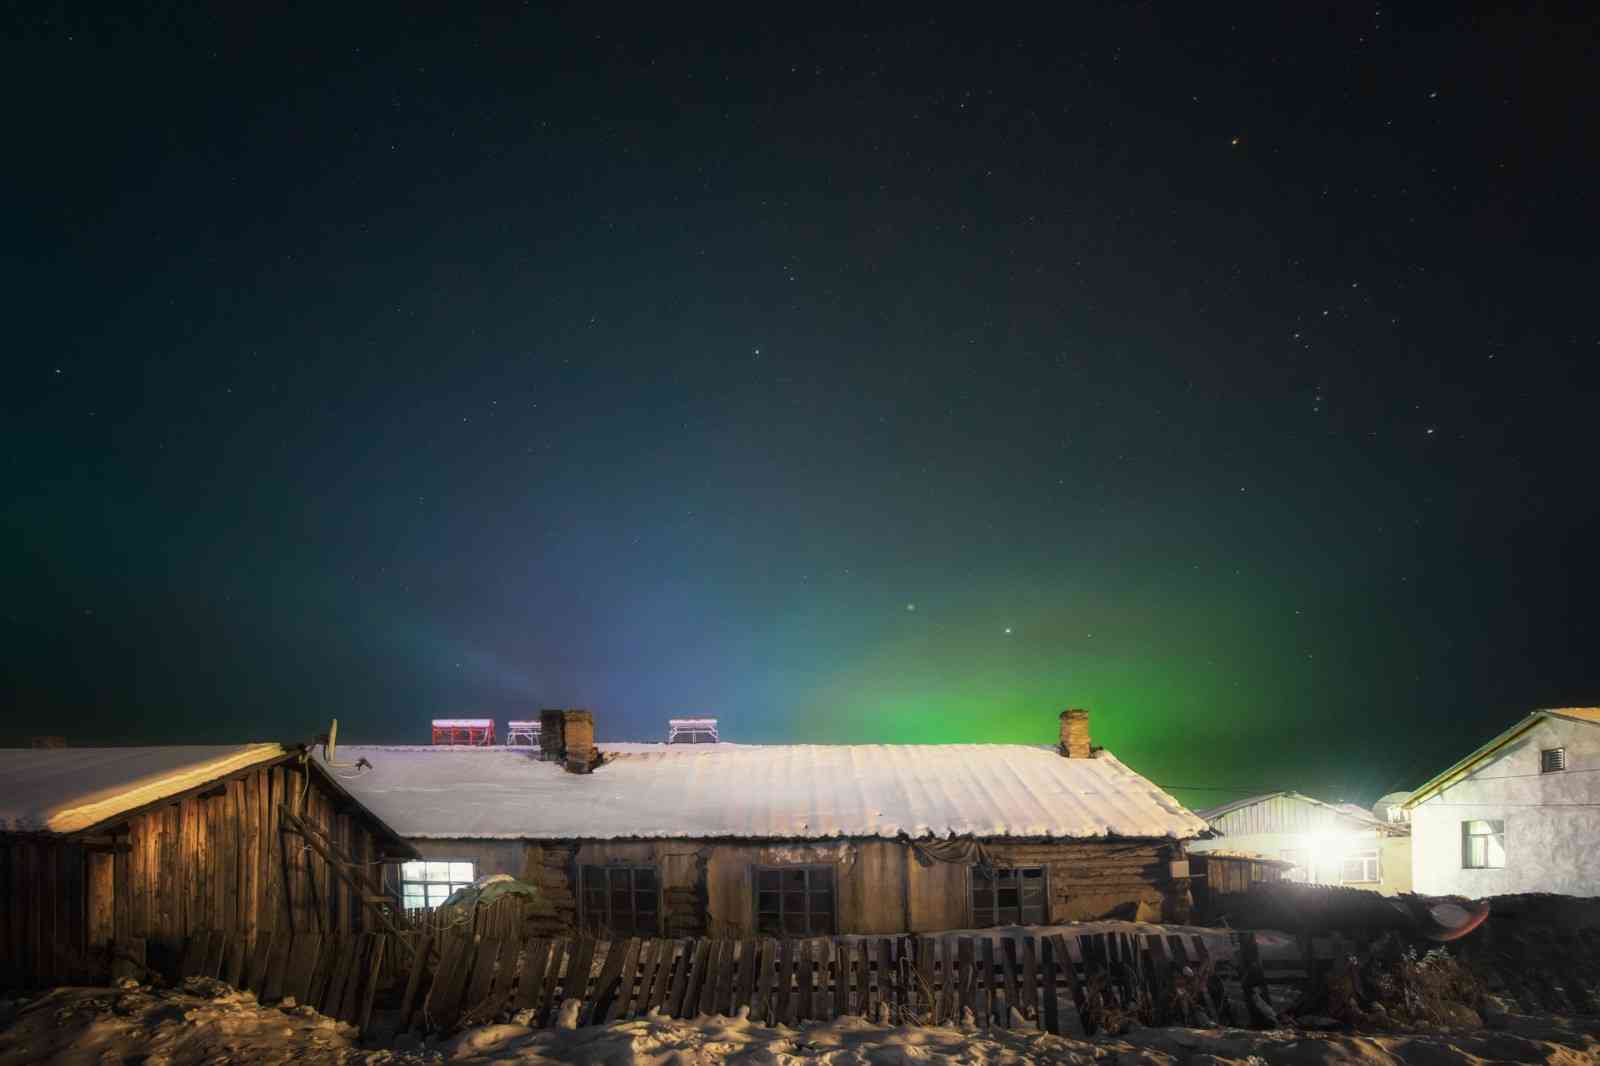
[1520, 814]
[1328, 843]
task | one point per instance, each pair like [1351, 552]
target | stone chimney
[1075, 734]
[567, 737]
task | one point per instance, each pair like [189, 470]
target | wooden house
[736, 840]
[1321, 843]
[133, 850]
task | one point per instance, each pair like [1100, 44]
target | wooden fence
[339, 973]
[997, 982]
[459, 979]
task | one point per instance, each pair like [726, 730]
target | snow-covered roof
[706, 791]
[63, 790]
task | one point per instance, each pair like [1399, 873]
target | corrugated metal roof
[1287, 812]
[766, 792]
[63, 790]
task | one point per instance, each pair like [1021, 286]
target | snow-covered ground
[207, 1022]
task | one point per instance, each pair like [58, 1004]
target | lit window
[794, 900]
[1359, 867]
[1007, 896]
[429, 882]
[1300, 871]
[1483, 845]
[1552, 760]
[621, 900]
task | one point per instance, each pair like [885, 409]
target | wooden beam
[339, 864]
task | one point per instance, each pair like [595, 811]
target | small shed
[134, 850]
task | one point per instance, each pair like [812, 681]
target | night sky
[1229, 371]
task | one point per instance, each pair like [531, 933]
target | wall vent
[1552, 760]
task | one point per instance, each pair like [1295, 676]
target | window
[621, 900]
[1300, 871]
[794, 900]
[1483, 845]
[1011, 895]
[429, 883]
[1552, 760]
[1359, 867]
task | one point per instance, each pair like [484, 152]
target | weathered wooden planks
[762, 1009]
[914, 980]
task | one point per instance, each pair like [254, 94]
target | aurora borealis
[893, 381]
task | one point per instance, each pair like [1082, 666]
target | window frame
[450, 881]
[609, 924]
[1017, 870]
[1545, 759]
[1365, 856]
[783, 891]
[1497, 830]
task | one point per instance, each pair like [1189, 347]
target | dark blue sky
[896, 380]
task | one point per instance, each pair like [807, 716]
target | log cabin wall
[213, 859]
[707, 888]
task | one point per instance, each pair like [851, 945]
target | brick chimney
[1075, 734]
[577, 734]
[567, 737]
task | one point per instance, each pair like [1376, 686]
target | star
[1008, 631]
[911, 607]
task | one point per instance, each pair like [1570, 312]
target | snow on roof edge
[139, 793]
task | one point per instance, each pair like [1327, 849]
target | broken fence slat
[479, 983]
[723, 993]
[673, 1007]
[760, 1010]
[575, 983]
[414, 983]
[530, 980]
[708, 983]
[594, 1008]
[628, 975]
[783, 1005]
[990, 986]
[547, 1004]
[1051, 1016]
[697, 975]
[747, 973]
[666, 956]
[439, 991]
[1029, 1003]
[966, 984]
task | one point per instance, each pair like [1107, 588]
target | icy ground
[210, 1023]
